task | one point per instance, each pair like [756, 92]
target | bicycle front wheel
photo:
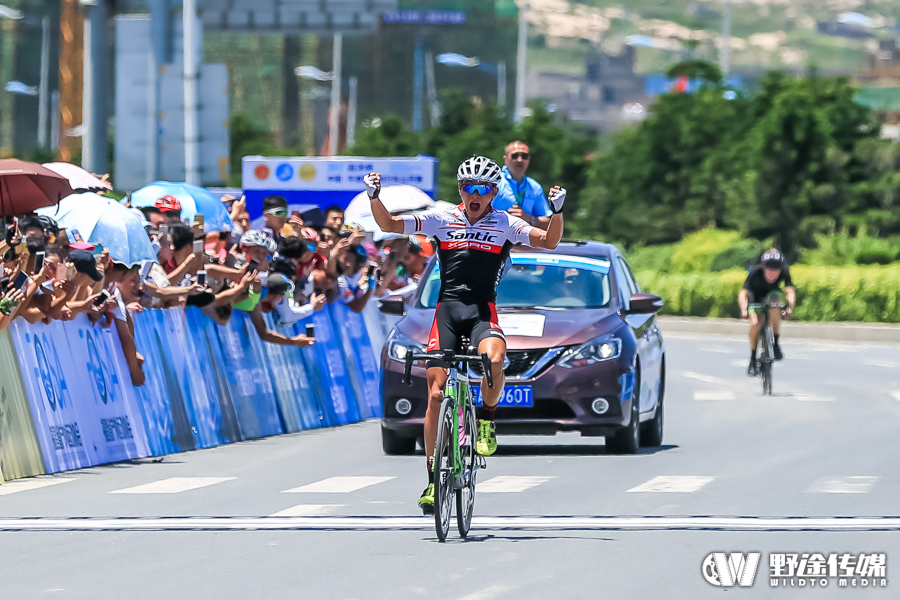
[443, 470]
[465, 496]
[768, 360]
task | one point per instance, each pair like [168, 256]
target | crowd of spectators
[287, 268]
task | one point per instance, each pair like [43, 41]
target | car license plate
[513, 395]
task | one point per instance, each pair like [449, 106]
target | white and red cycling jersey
[472, 255]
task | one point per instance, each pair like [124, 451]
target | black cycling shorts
[454, 319]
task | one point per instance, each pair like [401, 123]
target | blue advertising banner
[325, 364]
[113, 423]
[57, 423]
[248, 378]
[359, 358]
[296, 400]
[168, 427]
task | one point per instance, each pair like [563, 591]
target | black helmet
[49, 225]
[772, 259]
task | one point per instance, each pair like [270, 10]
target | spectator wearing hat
[170, 208]
[277, 287]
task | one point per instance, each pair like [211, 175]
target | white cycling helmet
[254, 237]
[479, 168]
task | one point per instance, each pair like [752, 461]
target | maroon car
[584, 350]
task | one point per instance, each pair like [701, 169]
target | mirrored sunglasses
[482, 189]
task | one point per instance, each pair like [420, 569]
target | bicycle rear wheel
[768, 357]
[465, 496]
[443, 470]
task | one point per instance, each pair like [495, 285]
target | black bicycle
[767, 342]
[455, 458]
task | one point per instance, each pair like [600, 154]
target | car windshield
[541, 281]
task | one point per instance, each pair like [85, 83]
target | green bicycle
[455, 460]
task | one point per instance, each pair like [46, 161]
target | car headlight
[597, 350]
[399, 345]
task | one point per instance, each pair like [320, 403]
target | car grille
[542, 409]
[519, 362]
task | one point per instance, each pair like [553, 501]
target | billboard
[323, 181]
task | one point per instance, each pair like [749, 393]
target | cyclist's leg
[755, 327]
[488, 338]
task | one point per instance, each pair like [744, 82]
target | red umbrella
[25, 186]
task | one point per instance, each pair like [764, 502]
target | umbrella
[102, 220]
[79, 179]
[396, 198]
[25, 186]
[194, 199]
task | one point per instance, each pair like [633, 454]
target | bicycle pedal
[480, 463]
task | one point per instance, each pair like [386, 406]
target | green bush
[696, 252]
[739, 256]
[851, 293]
[651, 258]
[842, 249]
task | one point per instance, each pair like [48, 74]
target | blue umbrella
[193, 200]
[102, 220]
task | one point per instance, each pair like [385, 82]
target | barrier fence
[66, 399]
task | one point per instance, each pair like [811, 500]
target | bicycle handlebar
[448, 356]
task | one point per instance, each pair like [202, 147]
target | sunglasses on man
[519, 156]
[277, 212]
[482, 189]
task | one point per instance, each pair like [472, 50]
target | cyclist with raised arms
[762, 286]
[474, 242]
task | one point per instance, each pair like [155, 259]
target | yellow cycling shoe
[487, 438]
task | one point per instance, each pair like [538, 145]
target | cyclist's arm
[791, 294]
[744, 300]
[549, 238]
[388, 222]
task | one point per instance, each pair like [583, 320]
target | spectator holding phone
[352, 268]
[184, 261]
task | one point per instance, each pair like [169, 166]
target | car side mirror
[645, 304]
[392, 306]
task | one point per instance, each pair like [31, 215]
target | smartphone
[62, 272]
[163, 229]
[71, 271]
[371, 270]
[198, 246]
[103, 297]
[75, 237]
[145, 270]
[310, 330]
[38, 261]
[22, 248]
[297, 214]
[253, 265]
[201, 278]
[198, 218]
[21, 281]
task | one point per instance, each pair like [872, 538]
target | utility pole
[351, 112]
[191, 41]
[94, 142]
[418, 80]
[43, 92]
[521, 62]
[724, 54]
[501, 86]
[334, 126]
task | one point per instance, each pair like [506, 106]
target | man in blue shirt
[519, 195]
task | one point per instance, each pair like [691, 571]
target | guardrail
[66, 399]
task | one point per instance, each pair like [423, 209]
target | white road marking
[717, 349]
[896, 394]
[810, 398]
[714, 395]
[173, 485]
[857, 484]
[486, 593]
[706, 378]
[23, 485]
[880, 363]
[673, 483]
[338, 485]
[509, 483]
[539, 523]
[740, 363]
[306, 510]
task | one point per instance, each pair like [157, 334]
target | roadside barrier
[66, 399]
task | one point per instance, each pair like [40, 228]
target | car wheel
[627, 440]
[652, 430]
[395, 444]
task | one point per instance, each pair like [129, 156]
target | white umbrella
[396, 198]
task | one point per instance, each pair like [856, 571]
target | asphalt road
[555, 517]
